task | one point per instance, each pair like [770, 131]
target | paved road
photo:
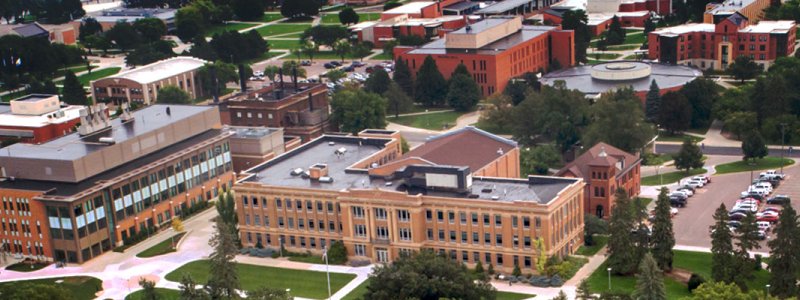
[736, 151]
[692, 223]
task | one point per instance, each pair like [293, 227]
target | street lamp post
[768, 290]
[288, 291]
[660, 176]
[327, 273]
[609, 278]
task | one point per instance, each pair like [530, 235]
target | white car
[698, 183]
[688, 192]
[704, 179]
[763, 226]
[757, 190]
[772, 174]
[746, 201]
[680, 193]
[258, 73]
[764, 185]
[770, 213]
[748, 207]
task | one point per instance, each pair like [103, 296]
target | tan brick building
[141, 84]
[361, 190]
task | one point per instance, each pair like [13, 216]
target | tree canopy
[431, 87]
[743, 68]
[463, 93]
[753, 146]
[675, 112]
[348, 16]
[426, 276]
[300, 8]
[628, 132]
[171, 94]
[378, 82]
[577, 20]
[689, 156]
[355, 110]
[556, 113]
[73, 92]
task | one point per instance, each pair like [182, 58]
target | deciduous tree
[689, 156]
[171, 94]
[342, 48]
[355, 110]
[397, 100]
[248, 10]
[148, 289]
[741, 122]
[189, 23]
[378, 82]
[300, 8]
[463, 93]
[675, 112]
[701, 94]
[627, 131]
[348, 16]
[744, 68]
[753, 146]
[433, 277]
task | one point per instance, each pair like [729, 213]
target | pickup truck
[772, 174]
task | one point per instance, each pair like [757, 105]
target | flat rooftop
[730, 6]
[580, 78]
[686, 28]
[8, 119]
[161, 69]
[277, 172]
[64, 189]
[33, 98]
[251, 132]
[525, 34]
[504, 6]
[73, 146]
[769, 27]
[410, 8]
[133, 13]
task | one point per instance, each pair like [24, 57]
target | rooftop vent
[296, 172]
[326, 179]
[495, 198]
[317, 171]
[331, 143]
[107, 140]
[388, 183]
[500, 151]
[340, 151]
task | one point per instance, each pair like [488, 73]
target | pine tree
[689, 156]
[148, 289]
[430, 88]
[620, 257]
[223, 282]
[722, 263]
[402, 76]
[189, 291]
[785, 262]
[463, 93]
[663, 236]
[582, 292]
[73, 92]
[226, 207]
[649, 281]
[378, 82]
[652, 102]
[746, 241]
[561, 296]
[753, 146]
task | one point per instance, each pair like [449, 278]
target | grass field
[599, 242]
[95, 75]
[311, 259]
[14, 95]
[306, 284]
[700, 263]
[274, 29]
[80, 287]
[632, 37]
[334, 17]
[164, 294]
[671, 177]
[359, 292]
[228, 27]
[161, 248]
[624, 47]
[598, 282]
[765, 163]
[432, 121]
[603, 55]
[284, 44]
[492, 128]
[664, 136]
[268, 17]
[383, 56]
[633, 56]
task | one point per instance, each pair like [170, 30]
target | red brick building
[604, 168]
[600, 22]
[37, 118]
[300, 109]
[494, 51]
[714, 46]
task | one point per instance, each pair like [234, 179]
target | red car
[772, 218]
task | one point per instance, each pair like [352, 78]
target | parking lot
[692, 223]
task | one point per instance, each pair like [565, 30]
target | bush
[337, 254]
[556, 281]
[491, 269]
[757, 265]
[695, 281]
[517, 272]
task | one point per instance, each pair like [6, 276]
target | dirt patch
[679, 275]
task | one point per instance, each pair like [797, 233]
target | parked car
[747, 207]
[734, 224]
[751, 195]
[357, 64]
[771, 218]
[677, 201]
[772, 174]
[329, 66]
[305, 63]
[760, 235]
[336, 63]
[694, 184]
[349, 69]
[772, 208]
[686, 186]
[258, 73]
[688, 192]
[764, 185]
[704, 178]
[779, 199]
[679, 194]
[736, 216]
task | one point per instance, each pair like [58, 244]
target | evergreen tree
[652, 102]
[378, 82]
[561, 296]
[615, 33]
[348, 16]
[583, 292]
[73, 92]
[148, 290]
[663, 236]
[674, 112]
[463, 93]
[460, 69]
[431, 87]
[223, 282]
[226, 207]
[337, 254]
[746, 241]
[785, 259]
[753, 146]
[620, 257]
[189, 291]
[397, 100]
[689, 157]
[402, 76]
[649, 281]
[722, 261]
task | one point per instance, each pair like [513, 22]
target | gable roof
[600, 155]
[737, 18]
[468, 146]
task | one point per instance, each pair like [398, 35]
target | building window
[475, 238]
[360, 250]
[474, 218]
[440, 216]
[498, 220]
[441, 235]
[451, 217]
[428, 215]
[498, 239]
[382, 233]
[405, 234]
[403, 215]
[358, 212]
[430, 234]
[485, 219]
[380, 214]
[360, 230]
[463, 217]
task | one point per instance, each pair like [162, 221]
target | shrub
[695, 281]
[556, 281]
[757, 265]
[491, 269]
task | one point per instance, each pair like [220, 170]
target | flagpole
[327, 273]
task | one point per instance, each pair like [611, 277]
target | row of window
[289, 223]
[255, 238]
[488, 239]
[487, 219]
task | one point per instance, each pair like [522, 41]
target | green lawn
[306, 284]
[14, 95]
[75, 69]
[26, 267]
[334, 17]
[263, 56]
[664, 136]
[603, 55]
[228, 27]
[624, 47]
[271, 17]
[633, 56]
[598, 282]
[311, 259]
[492, 128]
[433, 121]
[590, 61]
[765, 163]
[700, 263]
[671, 177]
[637, 39]
[599, 242]
[161, 248]
[164, 294]
[361, 289]
[80, 287]
[655, 159]
[284, 44]
[95, 75]
[282, 28]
